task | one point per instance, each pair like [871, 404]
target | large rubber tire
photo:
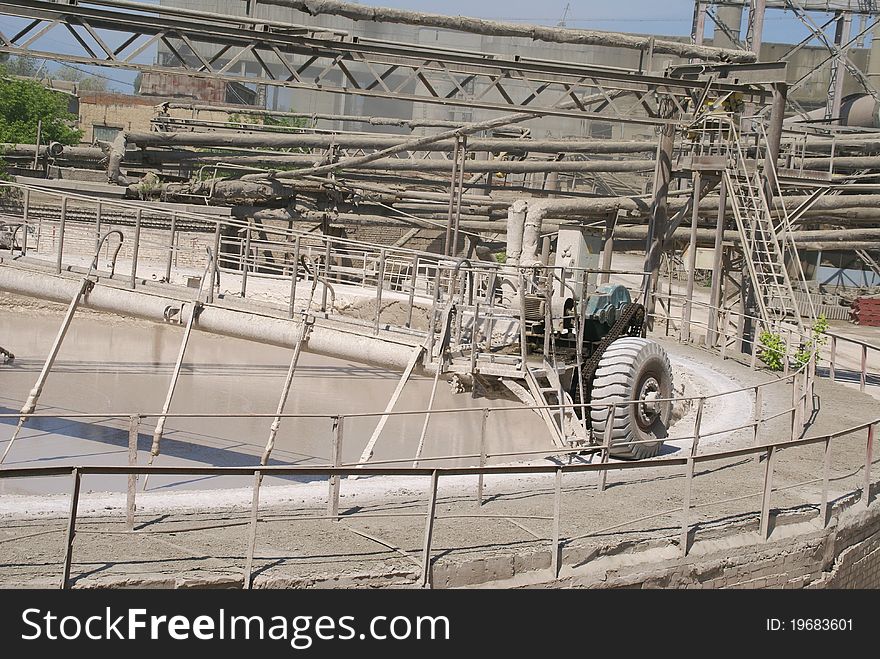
[629, 366]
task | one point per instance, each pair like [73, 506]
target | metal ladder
[760, 238]
[565, 427]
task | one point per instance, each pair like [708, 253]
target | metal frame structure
[308, 56]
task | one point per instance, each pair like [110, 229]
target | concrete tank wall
[798, 554]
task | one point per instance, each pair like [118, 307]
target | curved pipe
[13, 243]
[94, 263]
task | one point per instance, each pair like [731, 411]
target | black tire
[632, 368]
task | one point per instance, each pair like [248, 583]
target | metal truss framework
[838, 47]
[335, 62]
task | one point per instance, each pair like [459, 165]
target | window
[105, 133]
[600, 130]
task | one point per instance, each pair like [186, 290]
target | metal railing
[767, 452]
[864, 347]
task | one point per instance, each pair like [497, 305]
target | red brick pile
[866, 311]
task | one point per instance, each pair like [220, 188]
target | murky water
[109, 365]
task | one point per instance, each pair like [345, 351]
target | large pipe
[516, 217]
[229, 138]
[413, 165]
[324, 339]
[60, 151]
[358, 12]
[531, 240]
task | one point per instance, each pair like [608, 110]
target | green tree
[19, 66]
[83, 80]
[25, 102]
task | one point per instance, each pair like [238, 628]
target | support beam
[659, 209]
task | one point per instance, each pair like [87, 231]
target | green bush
[772, 346]
[772, 350]
[817, 340]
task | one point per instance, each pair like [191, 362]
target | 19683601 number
[821, 624]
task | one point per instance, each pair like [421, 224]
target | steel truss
[216, 46]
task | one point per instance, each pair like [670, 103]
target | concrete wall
[798, 554]
[115, 111]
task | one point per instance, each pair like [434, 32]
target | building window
[105, 133]
[600, 130]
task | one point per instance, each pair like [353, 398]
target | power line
[95, 75]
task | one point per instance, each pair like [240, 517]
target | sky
[660, 17]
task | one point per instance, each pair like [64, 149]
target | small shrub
[817, 340]
[772, 350]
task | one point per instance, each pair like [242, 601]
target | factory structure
[419, 300]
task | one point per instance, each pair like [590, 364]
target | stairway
[760, 239]
[565, 427]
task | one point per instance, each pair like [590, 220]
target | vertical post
[725, 324]
[523, 348]
[247, 254]
[213, 278]
[459, 192]
[606, 445]
[668, 303]
[698, 421]
[785, 357]
[826, 471]
[326, 273]
[768, 489]
[137, 242]
[755, 35]
[294, 272]
[864, 371]
[432, 323]
[336, 459]
[686, 506]
[171, 232]
[247, 582]
[802, 403]
[658, 221]
[447, 247]
[557, 509]
[412, 290]
[71, 529]
[717, 271]
[869, 456]
[429, 531]
[607, 247]
[692, 260]
[699, 24]
[61, 226]
[380, 281]
[480, 481]
[833, 356]
[25, 217]
[98, 213]
[134, 422]
[37, 145]
[759, 411]
[475, 336]
[841, 36]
